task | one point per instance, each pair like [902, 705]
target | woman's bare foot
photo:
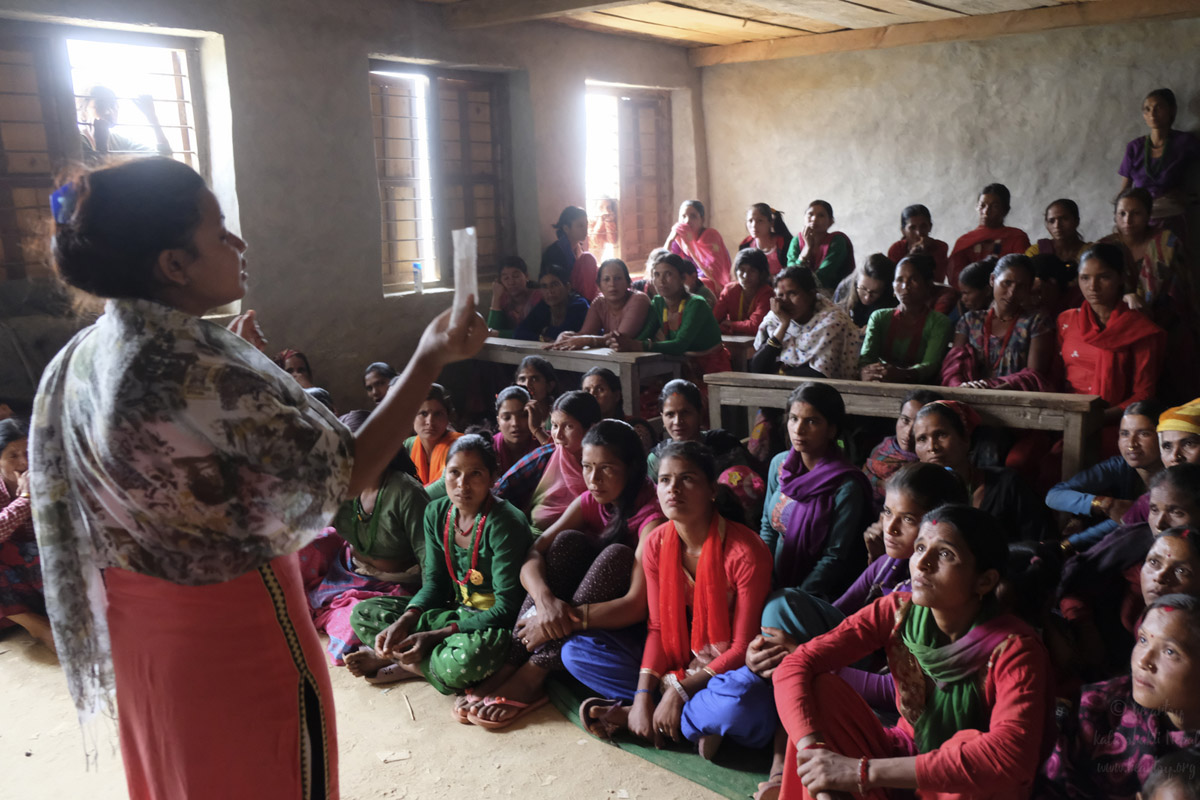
[524, 686]
[38, 627]
[709, 744]
[365, 662]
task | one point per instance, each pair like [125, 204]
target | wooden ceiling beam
[1100, 12]
[485, 13]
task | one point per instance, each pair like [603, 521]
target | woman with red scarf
[707, 579]
[1108, 349]
[992, 237]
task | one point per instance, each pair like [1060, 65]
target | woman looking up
[992, 237]
[1062, 223]
[1108, 349]
[704, 247]
[907, 344]
[559, 310]
[617, 308]
[1158, 162]
[818, 503]
[829, 255]
[21, 600]
[1008, 346]
[569, 253]
[972, 684]
[161, 424]
[769, 234]
[915, 224]
[743, 304]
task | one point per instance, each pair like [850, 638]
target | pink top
[583, 276]
[707, 252]
[596, 517]
[16, 514]
[603, 318]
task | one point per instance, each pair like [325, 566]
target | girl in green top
[455, 631]
[906, 344]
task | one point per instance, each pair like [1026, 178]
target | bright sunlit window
[603, 177]
[143, 79]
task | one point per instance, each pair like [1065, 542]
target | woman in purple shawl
[818, 503]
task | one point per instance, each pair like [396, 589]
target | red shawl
[1115, 363]
[961, 366]
[1012, 240]
[711, 628]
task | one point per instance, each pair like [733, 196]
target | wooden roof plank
[753, 10]
[837, 12]
[1099, 12]
[916, 10]
[702, 21]
[484, 13]
[678, 35]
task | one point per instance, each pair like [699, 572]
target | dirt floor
[431, 756]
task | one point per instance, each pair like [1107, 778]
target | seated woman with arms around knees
[1008, 346]
[560, 309]
[804, 334]
[706, 580]
[429, 447]
[513, 297]
[617, 308]
[581, 574]
[828, 255]
[1106, 491]
[741, 705]
[907, 344]
[1107, 747]
[1108, 349]
[915, 224]
[455, 631]
[972, 684]
[768, 233]
[679, 323]
[703, 246]
[895, 451]
[744, 302]
[545, 482]
[867, 289]
[992, 237]
[942, 436]
[818, 503]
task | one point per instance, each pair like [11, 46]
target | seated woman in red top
[769, 234]
[992, 237]
[706, 581]
[1108, 349]
[743, 304]
[915, 224]
[972, 684]
[829, 255]
[703, 246]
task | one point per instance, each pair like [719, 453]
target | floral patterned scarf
[165, 445]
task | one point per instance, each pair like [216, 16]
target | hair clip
[62, 203]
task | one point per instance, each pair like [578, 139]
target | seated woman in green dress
[906, 344]
[456, 631]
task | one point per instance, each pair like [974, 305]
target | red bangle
[863, 766]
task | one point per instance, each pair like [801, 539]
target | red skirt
[222, 690]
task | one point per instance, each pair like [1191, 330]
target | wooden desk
[741, 350]
[1077, 416]
[631, 368]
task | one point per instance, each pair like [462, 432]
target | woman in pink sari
[703, 246]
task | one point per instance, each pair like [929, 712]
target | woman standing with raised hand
[704, 247]
[176, 471]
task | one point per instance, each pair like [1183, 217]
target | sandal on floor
[392, 673]
[461, 714]
[770, 788]
[497, 724]
[599, 727]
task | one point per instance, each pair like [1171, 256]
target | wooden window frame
[496, 83]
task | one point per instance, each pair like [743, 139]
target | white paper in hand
[466, 279]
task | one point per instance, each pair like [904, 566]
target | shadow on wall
[36, 320]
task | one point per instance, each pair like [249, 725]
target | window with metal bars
[46, 73]
[443, 161]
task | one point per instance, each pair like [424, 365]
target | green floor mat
[735, 774]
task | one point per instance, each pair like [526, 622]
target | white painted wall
[871, 132]
[299, 151]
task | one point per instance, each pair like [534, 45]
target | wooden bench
[631, 368]
[1077, 416]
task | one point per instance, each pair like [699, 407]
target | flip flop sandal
[522, 710]
[462, 715]
[770, 788]
[392, 673]
[599, 727]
